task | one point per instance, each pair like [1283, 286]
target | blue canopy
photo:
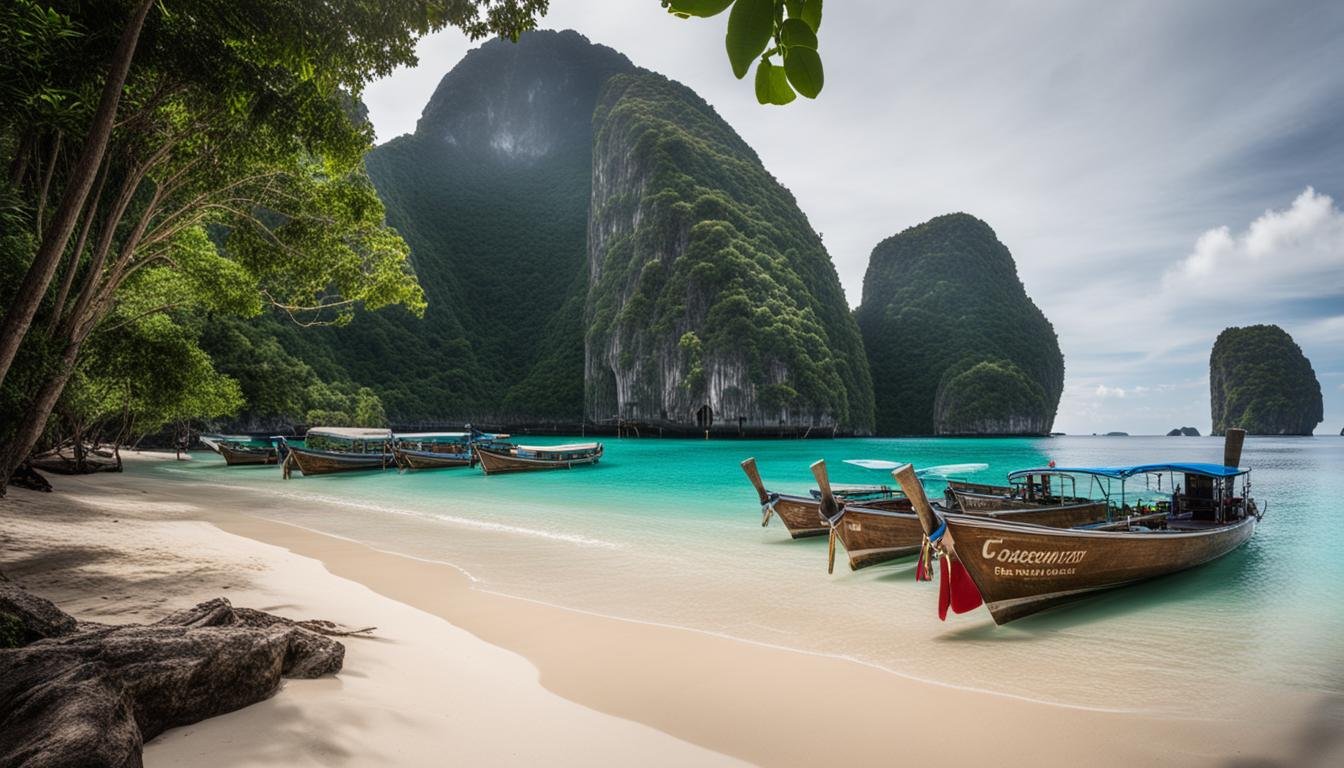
[1122, 473]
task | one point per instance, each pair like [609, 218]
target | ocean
[668, 531]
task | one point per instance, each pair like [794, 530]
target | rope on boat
[768, 509]
[924, 566]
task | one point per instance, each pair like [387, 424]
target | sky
[1159, 170]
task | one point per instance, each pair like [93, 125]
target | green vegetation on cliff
[710, 287]
[954, 343]
[1259, 380]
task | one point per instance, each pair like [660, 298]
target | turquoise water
[668, 531]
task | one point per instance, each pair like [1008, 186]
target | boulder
[90, 695]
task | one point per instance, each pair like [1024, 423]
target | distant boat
[436, 450]
[801, 515]
[340, 449]
[248, 451]
[527, 458]
[213, 441]
[878, 534]
[1017, 569]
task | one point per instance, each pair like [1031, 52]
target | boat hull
[241, 457]
[310, 462]
[873, 535]
[801, 516]
[494, 463]
[408, 459]
[1022, 569]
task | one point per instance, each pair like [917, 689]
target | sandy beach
[456, 673]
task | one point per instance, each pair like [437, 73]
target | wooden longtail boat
[241, 454]
[877, 534]
[213, 441]
[437, 450]
[801, 515]
[1017, 569]
[527, 458]
[340, 449]
[1027, 489]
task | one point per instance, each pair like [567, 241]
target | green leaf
[795, 32]
[794, 7]
[772, 85]
[811, 13]
[702, 8]
[750, 27]
[803, 66]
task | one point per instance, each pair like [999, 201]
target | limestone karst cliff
[955, 345]
[1259, 380]
[712, 302]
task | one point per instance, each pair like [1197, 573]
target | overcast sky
[1160, 170]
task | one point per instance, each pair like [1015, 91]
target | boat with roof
[249, 451]
[437, 450]
[1202, 512]
[498, 459]
[326, 450]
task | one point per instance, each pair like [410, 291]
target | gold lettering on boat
[993, 550]
[855, 527]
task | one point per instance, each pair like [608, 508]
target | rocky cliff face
[491, 193]
[712, 303]
[955, 345]
[1259, 380]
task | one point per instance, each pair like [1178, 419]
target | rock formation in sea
[712, 302]
[955, 345]
[1183, 431]
[1259, 380]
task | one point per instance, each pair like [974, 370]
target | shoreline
[730, 697]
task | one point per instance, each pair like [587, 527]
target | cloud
[1293, 253]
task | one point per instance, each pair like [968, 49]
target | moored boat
[1017, 569]
[873, 534]
[437, 450]
[339, 449]
[1027, 489]
[249, 453]
[498, 459]
[801, 515]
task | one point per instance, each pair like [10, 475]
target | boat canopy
[351, 433]
[559, 448]
[1123, 473]
[429, 437]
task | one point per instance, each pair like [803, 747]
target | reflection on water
[668, 531]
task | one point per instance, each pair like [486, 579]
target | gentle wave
[465, 522]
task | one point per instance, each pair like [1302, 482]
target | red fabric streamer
[964, 594]
[944, 591]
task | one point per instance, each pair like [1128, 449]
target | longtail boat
[248, 452]
[339, 449]
[498, 459]
[1027, 489]
[436, 450]
[1017, 569]
[213, 441]
[877, 534]
[801, 515]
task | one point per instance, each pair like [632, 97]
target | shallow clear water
[668, 531]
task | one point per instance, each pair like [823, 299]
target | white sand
[435, 685]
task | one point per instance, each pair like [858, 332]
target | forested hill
[954, 343]
[713, 303]
[1259, 380]
[491, 194]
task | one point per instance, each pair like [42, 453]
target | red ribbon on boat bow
[956, 589]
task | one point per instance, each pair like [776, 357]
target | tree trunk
[19, 316]
[39, 410]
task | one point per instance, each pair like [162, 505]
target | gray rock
[91, 695]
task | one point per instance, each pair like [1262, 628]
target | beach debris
[91, 694]
[27, 477]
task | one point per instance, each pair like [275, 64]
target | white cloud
[1291, 253]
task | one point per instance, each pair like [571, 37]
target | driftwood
[90, 694]
[26, 477]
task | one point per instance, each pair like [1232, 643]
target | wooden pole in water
[829, 510]
[914, 490]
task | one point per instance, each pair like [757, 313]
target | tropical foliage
[1259, 380]
[954, 343]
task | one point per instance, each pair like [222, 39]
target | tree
[765, 29]
[213, 116]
